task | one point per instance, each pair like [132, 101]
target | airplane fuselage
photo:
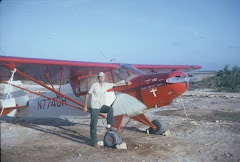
[146, 92]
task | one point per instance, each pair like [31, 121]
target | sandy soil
[210, 134]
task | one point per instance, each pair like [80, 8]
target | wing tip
[197, 67]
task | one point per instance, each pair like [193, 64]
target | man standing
[98, 91]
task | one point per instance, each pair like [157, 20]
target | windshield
[130, 69]
[127, 72]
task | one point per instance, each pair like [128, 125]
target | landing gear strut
[112, 138]
[159, 127]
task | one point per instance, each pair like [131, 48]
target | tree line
[225, 80]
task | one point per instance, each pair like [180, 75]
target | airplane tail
[13, 99]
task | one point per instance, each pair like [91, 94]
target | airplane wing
[43, 69]
[39, 68]
[166, 68]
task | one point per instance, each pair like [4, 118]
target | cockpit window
[130, 69]
[126, 72]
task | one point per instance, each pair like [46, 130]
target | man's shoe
[111, 129]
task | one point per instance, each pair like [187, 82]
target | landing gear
[159, 127]
[112, 138]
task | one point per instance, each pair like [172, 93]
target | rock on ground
[121, 146]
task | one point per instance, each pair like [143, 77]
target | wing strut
[10, 66]
[62, 69]
[45, 86]
[39, 94]
[49, 80]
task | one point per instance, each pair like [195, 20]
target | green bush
[227, 80]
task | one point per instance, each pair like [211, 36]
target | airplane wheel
[160, 127]
[112, 138]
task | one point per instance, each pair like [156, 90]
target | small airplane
[153, 86]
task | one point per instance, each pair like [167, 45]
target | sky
[170, 32]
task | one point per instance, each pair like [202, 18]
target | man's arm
[121, 84]
[86, 103]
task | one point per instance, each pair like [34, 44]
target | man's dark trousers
[94, 120]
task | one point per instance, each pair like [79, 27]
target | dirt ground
[210, 134]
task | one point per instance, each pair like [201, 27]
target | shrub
[227, 80]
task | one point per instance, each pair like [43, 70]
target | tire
[112, 138]
[160, 127]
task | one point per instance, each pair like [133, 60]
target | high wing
[166, 68]
[45, 69]
[39, 68]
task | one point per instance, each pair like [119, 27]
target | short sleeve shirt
[98, 94]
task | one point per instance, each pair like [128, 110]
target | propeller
[186, 79]
[195, 78]
[177, 80]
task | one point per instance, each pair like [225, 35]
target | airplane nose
[161, 88]
[181, 80]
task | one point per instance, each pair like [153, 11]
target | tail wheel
[159, 127]
[112, 138]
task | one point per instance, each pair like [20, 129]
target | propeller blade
[177, 80]
[195, 79]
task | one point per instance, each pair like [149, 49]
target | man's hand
[85, 109]
[129, 83]
[122, 84]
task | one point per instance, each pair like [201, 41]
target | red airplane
[153, 86]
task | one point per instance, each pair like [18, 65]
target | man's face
[101, 79]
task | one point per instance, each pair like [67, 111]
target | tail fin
[13, 98]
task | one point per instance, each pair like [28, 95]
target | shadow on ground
[62, 128]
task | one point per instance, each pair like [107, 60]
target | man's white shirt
[98, 94]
